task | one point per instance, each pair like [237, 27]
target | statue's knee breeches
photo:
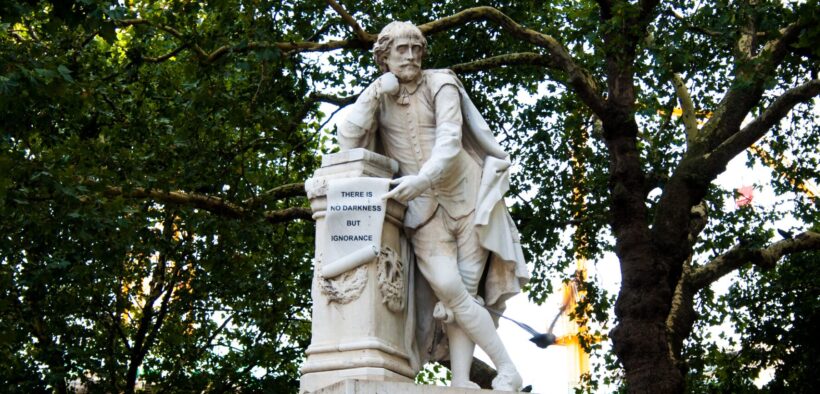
[445, 282]
[450, 256]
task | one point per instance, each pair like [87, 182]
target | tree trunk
[640, 338]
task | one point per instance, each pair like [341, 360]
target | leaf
[65, 73]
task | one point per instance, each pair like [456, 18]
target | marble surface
[359, 320]
[375, 387]
[452, 176]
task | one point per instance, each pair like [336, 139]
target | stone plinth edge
[376, 387]
[360, 154]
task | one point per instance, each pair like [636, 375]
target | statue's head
[399, 49]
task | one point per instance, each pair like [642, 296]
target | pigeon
[541, 340]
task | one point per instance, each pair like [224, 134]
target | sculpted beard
[408, 72]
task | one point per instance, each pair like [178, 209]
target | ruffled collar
[408, 89]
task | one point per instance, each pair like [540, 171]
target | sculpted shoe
[508, 379]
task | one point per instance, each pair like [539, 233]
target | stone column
[359, 317]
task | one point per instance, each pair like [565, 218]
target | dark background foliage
[154, 227]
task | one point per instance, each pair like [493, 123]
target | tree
[165, 142]
[149, 231]
[777, 316]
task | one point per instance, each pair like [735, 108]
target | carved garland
[391, 274]
[344, 288]
[349, 286]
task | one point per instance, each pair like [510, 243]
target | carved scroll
[344, 288]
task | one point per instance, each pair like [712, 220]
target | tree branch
[289, 214]
[322, 126]
[295, 120]
[648, 5]
[698, 218]
[166, 56]
[27, 305]
[690, 123]
[647, 8]
[115, 323]
[140, 345]
[278, 193]
[579, 78]
[168, 29]
[214, 334]
[510, 59]
[721, 139]
[215, 205]
[209, 203]
[335, 100]
[691, 27]
[31, 30]
[290, 47]
[606, 9]
[748, 87]
[210, 57]
[745, 45]
[757, 128]
[764, 258]
[777, 48]
[363, 35]
[169, 290]
[17, 37]
[682, 314]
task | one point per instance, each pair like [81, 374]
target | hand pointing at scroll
[407, 188]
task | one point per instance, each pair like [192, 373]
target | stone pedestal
[358, 331]
[371, 387]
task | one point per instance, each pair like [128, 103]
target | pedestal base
[319, 382]
[374, 387]
[359, 321]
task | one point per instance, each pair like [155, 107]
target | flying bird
[541, 340]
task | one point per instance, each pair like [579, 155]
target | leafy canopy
[154, 227]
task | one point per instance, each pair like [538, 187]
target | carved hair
[392, 31]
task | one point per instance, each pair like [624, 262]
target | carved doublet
[408, 135]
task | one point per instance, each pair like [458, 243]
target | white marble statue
[453, 178]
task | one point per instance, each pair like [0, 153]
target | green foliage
[776, 314]
[97, 112]
[84, 111]
[434, 373]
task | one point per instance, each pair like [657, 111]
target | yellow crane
[808, 188]
[573, 328]
[574, 324]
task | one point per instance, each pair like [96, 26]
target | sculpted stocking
[461, 356]
[443, 275]
[478, 325]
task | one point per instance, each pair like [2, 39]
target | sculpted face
[404, 59]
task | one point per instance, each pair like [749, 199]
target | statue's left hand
[409, 187]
